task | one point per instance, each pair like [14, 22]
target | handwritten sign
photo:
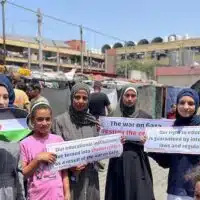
[132, 129]
[184, 140]
[83, 151]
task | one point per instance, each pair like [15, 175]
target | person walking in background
[129, 177]
[79, 124]
[172, 113]
[43, 184]
[98, 101]
[35, 94]
[21, 98]
[11, 179]
[194, 176]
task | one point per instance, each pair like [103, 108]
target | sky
[127, 20]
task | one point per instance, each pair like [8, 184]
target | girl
[11, 179]
[129, 176]
[77, 124]
[180, 164]
[42, 183]
[194, 176]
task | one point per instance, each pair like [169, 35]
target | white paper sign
[131, 128]
[185, 140]
[83, 151]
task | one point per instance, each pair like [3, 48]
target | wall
[181, 81]
[178, 76]
[111, 61]
[137, 75]
[76, 45]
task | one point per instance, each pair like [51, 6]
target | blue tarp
[171, 95]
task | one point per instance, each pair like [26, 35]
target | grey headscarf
[81, 118]
[126, 111]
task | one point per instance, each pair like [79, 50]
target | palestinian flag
[13, 126]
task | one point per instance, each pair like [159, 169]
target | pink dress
[43, 184]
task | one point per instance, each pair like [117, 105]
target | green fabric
[14, 135]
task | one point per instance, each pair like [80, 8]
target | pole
[126, 63]
[29, 57]
[39, 15]
[4, 31]
[58, 60]
[81, 37]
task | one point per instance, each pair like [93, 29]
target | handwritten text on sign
[132, 129]
[173, 140]
[83, 151]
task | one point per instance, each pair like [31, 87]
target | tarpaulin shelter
[150, 99]
[59, 99]
[196, 86]
[171, 96]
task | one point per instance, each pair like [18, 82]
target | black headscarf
[192, 120]
[81, 118]
[123, 110]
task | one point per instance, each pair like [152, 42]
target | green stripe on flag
[14, 135]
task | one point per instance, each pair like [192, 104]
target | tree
[135, 65]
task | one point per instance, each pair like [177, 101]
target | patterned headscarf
[4, 81]
[81, 118]
[194, 119]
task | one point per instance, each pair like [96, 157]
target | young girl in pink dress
[43, 184]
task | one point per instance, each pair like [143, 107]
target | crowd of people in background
[24, 168]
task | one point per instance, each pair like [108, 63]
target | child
[194, 175]
[43, 184]
[11, 179]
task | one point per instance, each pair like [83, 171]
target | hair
[22, 86]
[97, 85]
[35, 86]
[39, 106]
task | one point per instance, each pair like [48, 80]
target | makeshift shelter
[59, 99]
[196, 86]
[150, 99]
[171, 96]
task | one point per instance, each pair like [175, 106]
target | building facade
[57, 55]
[182, 76]
[177, 52]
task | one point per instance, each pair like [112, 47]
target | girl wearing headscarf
[78, 124]
[43, 184]
[129, 176]
[10, 97]
[179, 164]
[11, 179]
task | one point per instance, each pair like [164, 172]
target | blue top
[180, 164]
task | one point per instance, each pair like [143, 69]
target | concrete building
[56, 54]
[176, 51]
[178, 76]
